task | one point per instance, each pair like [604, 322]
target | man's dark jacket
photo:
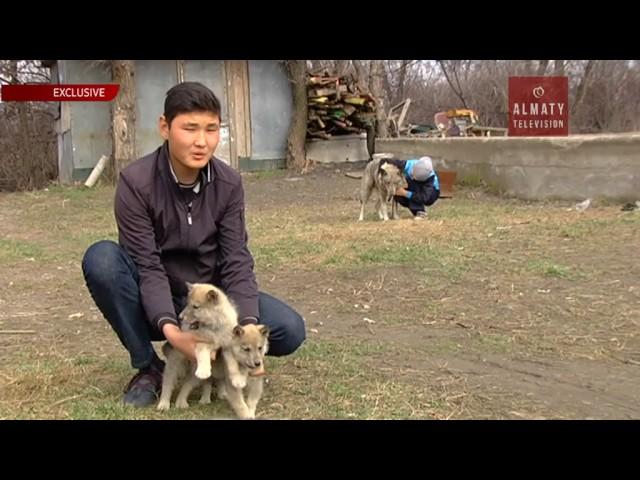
[174, 238]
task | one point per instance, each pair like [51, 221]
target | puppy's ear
[212, 295]
[264, 330]
[189, 286]
[238, 331]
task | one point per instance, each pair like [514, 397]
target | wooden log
[349, 109]
[322, 92]
[320, 134]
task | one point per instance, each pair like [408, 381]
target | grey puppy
[248, 347]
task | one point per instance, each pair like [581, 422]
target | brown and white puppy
[211, 316]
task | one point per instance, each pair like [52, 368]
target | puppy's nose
[257, 363]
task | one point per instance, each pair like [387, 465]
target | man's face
[193, 138]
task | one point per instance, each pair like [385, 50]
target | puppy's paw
[205, 401]
[222, 394]
[203, 372]
[246, 415]
[238, 381]
[180, 403]
[163, 405]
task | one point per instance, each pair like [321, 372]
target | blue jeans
[112, 279]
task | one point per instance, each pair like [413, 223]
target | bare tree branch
[542, 67]
[458, 90]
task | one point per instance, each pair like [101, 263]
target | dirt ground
[491, 308]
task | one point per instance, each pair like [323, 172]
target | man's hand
[401, 192]
[185, 342]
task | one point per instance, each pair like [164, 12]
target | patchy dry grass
[493, 308]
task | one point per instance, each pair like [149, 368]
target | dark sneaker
[144, 388]
[420, 216]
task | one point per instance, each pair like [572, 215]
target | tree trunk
[123, 116]
[377, 91]
[582, 87]
[296, 153]
[391, 94]
[363, 74]
[403, 79]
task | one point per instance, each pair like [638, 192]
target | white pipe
[97, 171]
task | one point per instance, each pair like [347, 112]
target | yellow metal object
[463, 113]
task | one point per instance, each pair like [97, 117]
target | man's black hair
[187, 97]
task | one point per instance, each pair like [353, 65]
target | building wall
[271, 105]
[212, 74]
[153, 78]
[338, 149]
[85, 128]
[535, 168]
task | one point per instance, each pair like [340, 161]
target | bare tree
[450, 69]
[377, 91]
[362, 73]
[582, 85]
[27, 137]
[542, 67]
[341, 67]
[602, 93]
[609, 99]
[402, 79]
[296, 153]
[123, 115]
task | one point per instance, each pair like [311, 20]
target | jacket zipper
[189, 221]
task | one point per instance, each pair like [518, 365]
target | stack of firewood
[337, 106]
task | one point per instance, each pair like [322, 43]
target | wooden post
[237, 75]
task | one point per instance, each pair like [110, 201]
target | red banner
[59, 93]
[538, 106]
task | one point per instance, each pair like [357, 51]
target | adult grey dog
[383, 178]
